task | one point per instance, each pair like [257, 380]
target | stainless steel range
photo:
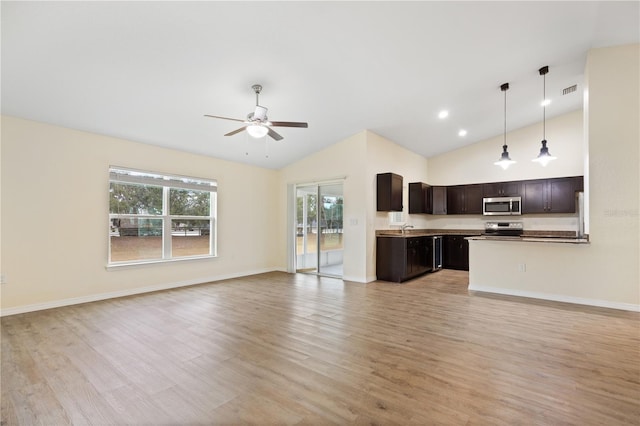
[503, 229]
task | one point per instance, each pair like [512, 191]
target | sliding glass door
[319, 228]
[307, 229]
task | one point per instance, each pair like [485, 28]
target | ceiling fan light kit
[257, 130]
[504, 160]
[544, 157]
[257, 123]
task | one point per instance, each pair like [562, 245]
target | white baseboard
[127, 292]
[556, 297]
[352, 279]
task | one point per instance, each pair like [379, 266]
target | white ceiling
[149, 71]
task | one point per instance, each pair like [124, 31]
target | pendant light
[504, 160]
[544, 157]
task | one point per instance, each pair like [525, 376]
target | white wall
[385, 156]
[605, 272]
[50, 175]
[55, 217]
[340, 160]
[359, 158]
[474, 164]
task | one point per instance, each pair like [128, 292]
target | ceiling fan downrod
[257, 88]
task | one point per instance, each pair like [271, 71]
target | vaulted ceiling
[149, 71]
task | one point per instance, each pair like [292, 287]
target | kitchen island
[536, 267]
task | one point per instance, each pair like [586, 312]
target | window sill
[135, 264]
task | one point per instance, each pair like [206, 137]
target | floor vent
[569, 89]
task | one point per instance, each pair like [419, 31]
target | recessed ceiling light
[462, 132]
[546, 102]
[443, 114]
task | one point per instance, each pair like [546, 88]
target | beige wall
[338, 161]
[385, 156]
[55, 216]
[605, 272]
[50, 175]
[358, 159]
[474, 164]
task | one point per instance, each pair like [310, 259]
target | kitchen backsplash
[548, 222]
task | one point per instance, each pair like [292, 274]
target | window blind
[117, 174]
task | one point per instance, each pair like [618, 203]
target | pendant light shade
[504, 160]
[544, 157]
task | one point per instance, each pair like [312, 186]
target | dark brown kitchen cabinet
[419, 198]
[501, 189]
[455, 199]
[389, 192]
[550, 195]
[455, 252]
[427, 199]
[401, 258]
[464, 199]
[438, 199]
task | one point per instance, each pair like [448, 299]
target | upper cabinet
[427, 199]
[464, 199]
[501, 189]
[389, 192]
[550, 195]
[538, 195]
[438, 199]
[419, 198]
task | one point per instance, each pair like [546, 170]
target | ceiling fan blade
[224, 118]
[274, 135]
[236, 131]
[288, 124]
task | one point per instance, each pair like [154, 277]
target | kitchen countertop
[534, 239]
[478, 234]
[427, 232]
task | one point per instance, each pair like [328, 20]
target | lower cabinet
[455, 252]
[401, 258]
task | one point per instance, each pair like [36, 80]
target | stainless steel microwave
[502, 206]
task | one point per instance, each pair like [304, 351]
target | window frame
[127, 176]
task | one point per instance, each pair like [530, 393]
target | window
[155, 217]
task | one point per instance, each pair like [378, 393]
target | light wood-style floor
[279, 348]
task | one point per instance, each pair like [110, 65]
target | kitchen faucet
[405, 226]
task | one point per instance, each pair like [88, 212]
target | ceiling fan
[257, 124]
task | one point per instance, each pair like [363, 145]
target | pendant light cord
[544, 106]
[505, 116]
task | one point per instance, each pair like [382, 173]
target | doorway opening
[319, 229]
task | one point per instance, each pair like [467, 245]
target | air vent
[569, 89]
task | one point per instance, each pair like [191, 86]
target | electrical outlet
[522, 267]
